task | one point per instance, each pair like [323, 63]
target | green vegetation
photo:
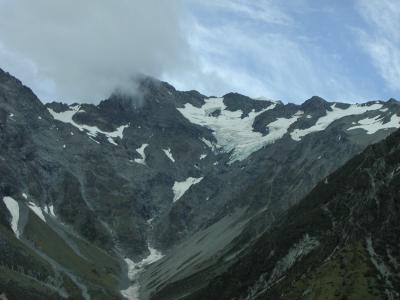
[91, 264]
[17, 285]
[346, 275]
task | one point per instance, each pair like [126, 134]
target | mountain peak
[393, 100]
[316, 99]
[315, 103]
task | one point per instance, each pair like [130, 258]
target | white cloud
[260, 10]
[382, 41]
[74, 50]
[27, 72]
[235, 55]
[89, 47]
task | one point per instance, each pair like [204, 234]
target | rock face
[340, 241]
[170, 169]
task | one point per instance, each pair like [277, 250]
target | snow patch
[91, 131]
[140, 150]
[372, 125]
[180, 187]
[24, 195]
[13, 208]
[134, 269]
[37, 210]
[331, 116]
[203, 156]
[233, 133]
[168, 153]
[111, 141]
[51, 209]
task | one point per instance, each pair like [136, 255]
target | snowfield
[91, 131]
[235, 134]
[372, 125]
[331, 116]
[232, 132]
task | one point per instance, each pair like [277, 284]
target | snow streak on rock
[92, 131]
[382, 268]
[296, 252]
[49, 210]
[168, 153]
[37, 210]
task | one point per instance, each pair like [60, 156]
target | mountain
[339, 242]
[92, 194]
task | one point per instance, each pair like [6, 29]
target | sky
[81, 51]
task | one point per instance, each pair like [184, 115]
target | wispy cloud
[382, 39]
[261, 55]
[266, 11]
[288, 50]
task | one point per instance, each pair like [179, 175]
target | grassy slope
[50, 259]
[98, 270]
[346, 275]
[23, 273]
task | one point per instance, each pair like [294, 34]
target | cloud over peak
[90, 47]
[72, 50]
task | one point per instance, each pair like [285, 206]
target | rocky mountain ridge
[339, 242]
[162, 169]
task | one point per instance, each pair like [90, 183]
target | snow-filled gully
[134, 270]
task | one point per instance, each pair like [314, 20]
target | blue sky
[288, 50]
[291, 50]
